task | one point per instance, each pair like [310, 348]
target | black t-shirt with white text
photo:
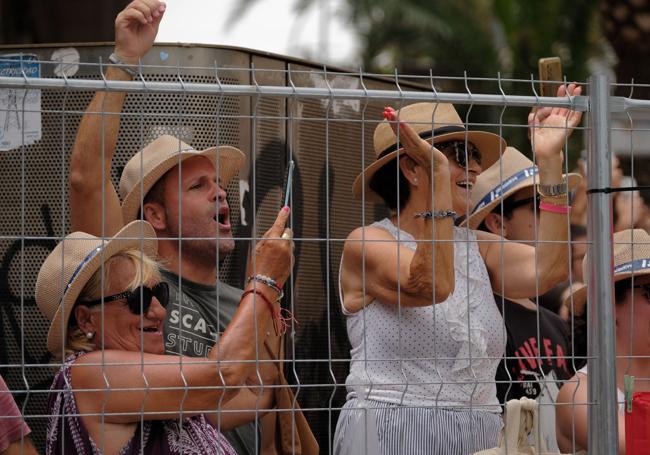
[531, 355]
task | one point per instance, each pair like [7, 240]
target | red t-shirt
[12, 425]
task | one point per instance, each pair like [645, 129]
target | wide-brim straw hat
[631, 258]
[501, 180]
[72, 263]
[434, 122]
[147, 166]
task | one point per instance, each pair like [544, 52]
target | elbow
[78, 182]
[426, 288]
[82, 184]
[233, 377]
[445, 284]
[556, 275]
[443, 290]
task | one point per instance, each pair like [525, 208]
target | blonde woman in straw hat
[180, 190]
[631, 276]
[116, 391]
[538, 349]
[417, 292]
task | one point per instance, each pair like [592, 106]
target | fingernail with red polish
[389, 113]
[286, 208]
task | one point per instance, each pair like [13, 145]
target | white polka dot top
[443, 355]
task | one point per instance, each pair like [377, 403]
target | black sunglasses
[510, 205]
[646, 289]
[137, 305]
[456, 151]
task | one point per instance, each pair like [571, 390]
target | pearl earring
[90, 335]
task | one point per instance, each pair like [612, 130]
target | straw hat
[152, 162]
[434, 122]
[72, 263]
[631, 257]
[516, 172]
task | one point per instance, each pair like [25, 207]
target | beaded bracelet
[438, 214]
[268, 281]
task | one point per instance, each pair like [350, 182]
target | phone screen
[289, 181]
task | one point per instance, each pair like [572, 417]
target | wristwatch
[559, 189]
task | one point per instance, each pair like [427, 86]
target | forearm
[553, 254]
[432, 267]
[97, 133]
[94, 204]
[243, 340]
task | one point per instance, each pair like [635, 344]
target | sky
[269, 25]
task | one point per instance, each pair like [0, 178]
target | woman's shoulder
[374, 231]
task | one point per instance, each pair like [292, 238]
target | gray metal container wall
[33, 198]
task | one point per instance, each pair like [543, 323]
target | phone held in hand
[550, 75]
[289, 182]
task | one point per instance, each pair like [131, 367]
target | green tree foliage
[479, 38]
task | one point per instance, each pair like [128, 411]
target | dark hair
[156, 195]
[507, 213]
[385, 184]
[621, 289]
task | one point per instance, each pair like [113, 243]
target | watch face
[553, 190]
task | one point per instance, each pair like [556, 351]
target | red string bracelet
[281, 316]
[561, 209]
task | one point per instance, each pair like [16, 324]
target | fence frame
[599, 105]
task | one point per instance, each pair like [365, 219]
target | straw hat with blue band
[72, 263]
[631, 258]
[434, 122]
[151, 163]
[512, 173]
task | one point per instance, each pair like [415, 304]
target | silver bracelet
[438, 214]
[130, 69]
[268, 281]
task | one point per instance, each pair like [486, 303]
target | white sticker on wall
[68, 61]
[20, 109]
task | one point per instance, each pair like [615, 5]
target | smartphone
[550, 75]
[287, 190]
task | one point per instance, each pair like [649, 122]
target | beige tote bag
[521, 421]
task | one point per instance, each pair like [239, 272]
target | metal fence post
[603, 430]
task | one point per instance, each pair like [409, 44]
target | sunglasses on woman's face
[139, 299]
[458, 151]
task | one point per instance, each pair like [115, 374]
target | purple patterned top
[67, 434]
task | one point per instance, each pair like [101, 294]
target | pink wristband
[561, 209]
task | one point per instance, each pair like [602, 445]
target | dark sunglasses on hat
[459, 151]
[139, 299]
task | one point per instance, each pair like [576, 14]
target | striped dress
[422, 379]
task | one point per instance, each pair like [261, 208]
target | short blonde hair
[146, 271]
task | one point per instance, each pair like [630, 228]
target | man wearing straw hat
[631, 277]
[180, 192]
[538, 344]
